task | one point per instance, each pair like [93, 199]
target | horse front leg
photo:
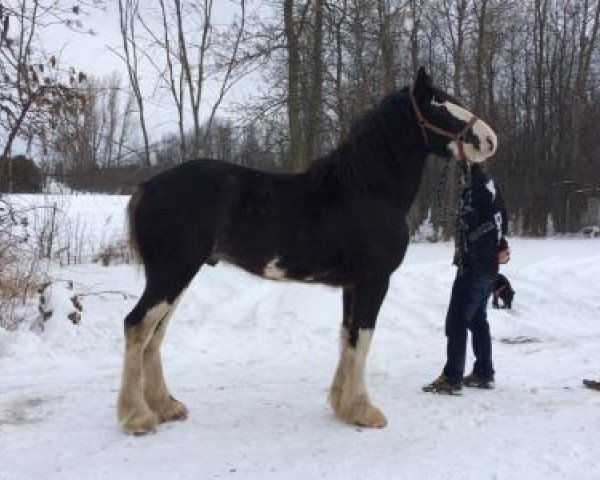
[348, 395]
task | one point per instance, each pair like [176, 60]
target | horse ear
[422, 84]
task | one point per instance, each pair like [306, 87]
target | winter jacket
[482, 223]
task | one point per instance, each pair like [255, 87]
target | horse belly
[278, 250]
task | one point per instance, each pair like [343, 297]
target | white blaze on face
[488, 142]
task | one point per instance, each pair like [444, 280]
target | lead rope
[463, 201]
[437, 198]
[436, 202]
[464, 179]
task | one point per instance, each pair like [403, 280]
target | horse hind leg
[133, 411]
[348, 395]
[144, 400]
[156, 393]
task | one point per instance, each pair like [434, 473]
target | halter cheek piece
[459, 137]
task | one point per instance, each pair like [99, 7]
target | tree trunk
[127, 19]
[315, 98]
[296, 149]
[387, 46]
[481, 12]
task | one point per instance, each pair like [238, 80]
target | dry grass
[114, 254]
[19, 283]
[19, 269]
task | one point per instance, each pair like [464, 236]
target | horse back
[276, 225]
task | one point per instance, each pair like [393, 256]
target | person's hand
[504, 256]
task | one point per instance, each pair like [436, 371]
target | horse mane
[379, 144]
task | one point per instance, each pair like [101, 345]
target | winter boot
[443, 385]
[475, 381]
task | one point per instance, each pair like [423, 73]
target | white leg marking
[132, 410]
[156, 392]
[272, 271]
[348, 395]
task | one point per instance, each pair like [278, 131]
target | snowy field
[253, 360]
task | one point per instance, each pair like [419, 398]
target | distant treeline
[530, 69]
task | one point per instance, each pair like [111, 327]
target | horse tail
[132, 208]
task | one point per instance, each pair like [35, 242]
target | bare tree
[415, 12]
[184, 66]
[315, 99]
[126, 127]
[228, 63]
[588, 33]
[297, 151]
[338, 19]
[111, 110]
[175, 80]
[128, 13]
[528, 67]
[386, 39]
[34, 90]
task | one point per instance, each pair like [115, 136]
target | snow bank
[72, 228]
[253, 359]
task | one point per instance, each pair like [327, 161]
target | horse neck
[410, 181]
[394, 173]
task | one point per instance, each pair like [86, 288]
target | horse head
[447, 126]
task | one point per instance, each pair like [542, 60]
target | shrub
[26, 175]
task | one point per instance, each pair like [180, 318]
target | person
[480, 246]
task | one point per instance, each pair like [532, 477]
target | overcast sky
[93, 55]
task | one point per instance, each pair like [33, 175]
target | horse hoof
[173, 410]
[142, 424]
[335, 396]
[371, 417]
[358, 412]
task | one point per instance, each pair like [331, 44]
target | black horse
[342, 223]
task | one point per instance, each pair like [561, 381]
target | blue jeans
[468, 310]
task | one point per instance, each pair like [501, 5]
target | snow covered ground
[253, 360]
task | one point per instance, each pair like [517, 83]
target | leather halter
[459, 137]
